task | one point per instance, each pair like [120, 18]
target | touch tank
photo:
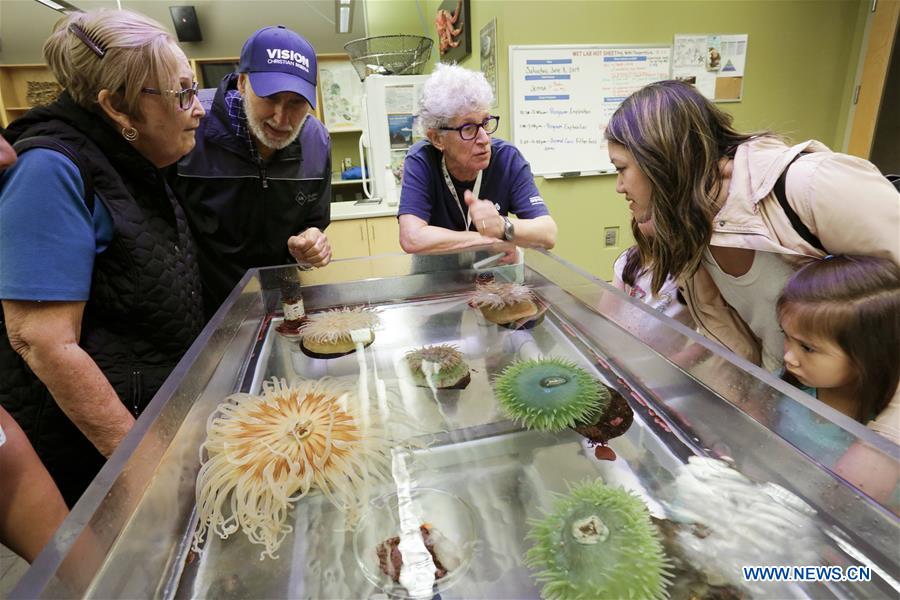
[586, 446]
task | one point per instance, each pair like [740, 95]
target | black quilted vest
[144, 308]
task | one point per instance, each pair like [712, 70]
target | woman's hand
[484, 215]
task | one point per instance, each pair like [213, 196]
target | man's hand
[310, 247]
[484, 214]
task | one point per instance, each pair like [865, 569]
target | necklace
[475, 190]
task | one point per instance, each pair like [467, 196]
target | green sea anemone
[550, 394]
[598, 542]
[444, 365]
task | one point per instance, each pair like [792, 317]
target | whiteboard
[561, 98]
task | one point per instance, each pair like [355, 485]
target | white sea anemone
[500, 295]
[333, 326]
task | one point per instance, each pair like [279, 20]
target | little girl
[841, 322]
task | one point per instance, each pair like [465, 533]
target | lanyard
[475, 190]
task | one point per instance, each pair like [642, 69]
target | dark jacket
[145, 304]
[242, 212]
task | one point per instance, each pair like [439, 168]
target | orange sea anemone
[266, 452]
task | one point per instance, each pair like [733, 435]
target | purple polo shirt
[507, 182]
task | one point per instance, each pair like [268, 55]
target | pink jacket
[843, 200]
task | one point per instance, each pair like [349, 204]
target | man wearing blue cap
[257, 186]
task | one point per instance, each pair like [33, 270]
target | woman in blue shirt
[100, 290]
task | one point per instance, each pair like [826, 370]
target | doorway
[886, 140]
[874, 131]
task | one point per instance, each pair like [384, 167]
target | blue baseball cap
[279, 60]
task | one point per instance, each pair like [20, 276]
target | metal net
[389, 54]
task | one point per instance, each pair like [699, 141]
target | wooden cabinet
[384, 235]
[364, 237]
[14, 88]
[355, 238]
[349, 239]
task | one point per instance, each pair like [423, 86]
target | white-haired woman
[460, 184]
[99, 287]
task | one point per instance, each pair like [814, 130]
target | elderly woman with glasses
[460, 184]
[99, 286]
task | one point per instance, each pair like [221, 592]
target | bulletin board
[561, 98]
[713, 63]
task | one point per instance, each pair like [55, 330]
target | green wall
[801, 64]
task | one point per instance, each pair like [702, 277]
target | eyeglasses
[185, 96]
[470, 130]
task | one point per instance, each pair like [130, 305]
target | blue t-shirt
[807, 431]
[48, 238]
[507, 182]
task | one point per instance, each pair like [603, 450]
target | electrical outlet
[611, 237]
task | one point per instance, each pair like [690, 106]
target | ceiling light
[343, 16]
[60, 6]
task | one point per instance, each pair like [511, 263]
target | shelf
[14, 81]
[353, 130]
[335, 182]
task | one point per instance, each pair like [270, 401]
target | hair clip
[82, 35]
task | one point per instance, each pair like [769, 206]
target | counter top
[341, 211]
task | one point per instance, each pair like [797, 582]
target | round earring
[129, 133]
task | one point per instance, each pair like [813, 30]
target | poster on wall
[400, 129]
[341, 92]
[454, 30]
[400, 99]
[713, 63]
[397, 159]
[488, 39]
[400, 102]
